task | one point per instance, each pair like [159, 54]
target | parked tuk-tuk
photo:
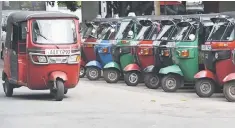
[88, 42]
[42, 52]
[218, 59]
[103, 49]
[143, 51]
[190, 35]
[161, 51]
[121, 49]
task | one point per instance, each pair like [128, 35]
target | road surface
[101, 105]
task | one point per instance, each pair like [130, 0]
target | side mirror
[4, 28]
[192, 37]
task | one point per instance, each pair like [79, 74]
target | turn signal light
[105, 50]
[89, 45]
[166, 53]
[219, 45]
[185, 53]
[145, 51]
[124, 41]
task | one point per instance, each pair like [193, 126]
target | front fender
[149, 69]
[132, 67]
[171, 69]
[229, 77]
[53, 76]
[94, 63]
[112, 65]
[205, 74]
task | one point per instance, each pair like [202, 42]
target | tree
[71, 5]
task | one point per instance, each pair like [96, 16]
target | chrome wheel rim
[112, 75]
[133, 78]
[205, 87]
[93, 73]
[154, 81]
[171, 83]
[232, 90]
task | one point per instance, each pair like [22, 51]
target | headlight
[39, 59]
[74, 58]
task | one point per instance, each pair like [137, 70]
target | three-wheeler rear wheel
[229, 91]
[82, 72]
[171, 82]
[132, 78]
[93, 73]
[152, 81]
[205, 87]
[111, 75]
[8, 88]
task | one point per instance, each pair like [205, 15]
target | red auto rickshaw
[217, 57]
[42, 52]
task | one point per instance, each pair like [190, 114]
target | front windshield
[166, 32]
[222, 31]
[125, 27]
[183, 33]
[59, 31]
[148, 32]
[89, 32]
[110, 32]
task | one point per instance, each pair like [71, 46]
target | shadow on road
[42, 97]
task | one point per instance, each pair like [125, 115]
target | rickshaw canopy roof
[20, 16]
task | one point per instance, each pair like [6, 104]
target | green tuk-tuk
[192, 32]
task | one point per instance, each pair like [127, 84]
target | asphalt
[97, 104]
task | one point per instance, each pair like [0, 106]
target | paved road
[101, 105]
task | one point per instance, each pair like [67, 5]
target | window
[22, 31]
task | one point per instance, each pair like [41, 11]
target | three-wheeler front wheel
[132, 78]
[205, 87]
[82, 72]
[59, 91]
[111, 75]
[229, 91]
[93, 73]
[8, 88]
[171, 82]
[152, 81]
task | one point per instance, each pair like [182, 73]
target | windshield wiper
[41, 35]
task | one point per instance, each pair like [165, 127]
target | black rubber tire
[91, 78]
[106, 74]
[82, 75]
[8, 88]
[175, 77]
[59, 94]
[227, 93]
[200, 92]
[127, 75]
[65, 91]
[148, 78]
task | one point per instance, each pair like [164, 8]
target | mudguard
[205, 74]
[112, 65]
[229, 77]
[149, 69]
[132, 67]
[171, 69]
[94, 63]
[58, 74]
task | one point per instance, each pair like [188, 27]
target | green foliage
[71, 5]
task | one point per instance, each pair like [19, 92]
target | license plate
[170, 44]
[57, 51]
[206, 47]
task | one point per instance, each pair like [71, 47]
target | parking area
[96, 104]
